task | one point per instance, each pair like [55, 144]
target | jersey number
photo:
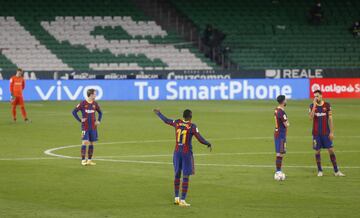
[181, 135]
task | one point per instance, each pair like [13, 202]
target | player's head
[19, 72]
[281, 99]
[91, 94]
[187, 115]
[318, 96]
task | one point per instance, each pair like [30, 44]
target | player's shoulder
[326, 103]
[311, 105]
[83, 102]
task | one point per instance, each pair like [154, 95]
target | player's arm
[284, 119]
[75, 113]
[23, 84]
[99, 114]
[163, 118]
[12, 88]
[331, 124]
[312, 110]
[201, 139]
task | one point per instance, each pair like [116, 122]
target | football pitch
[41, 175]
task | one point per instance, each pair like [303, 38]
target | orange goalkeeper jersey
[17, 85]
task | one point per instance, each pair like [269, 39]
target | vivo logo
[62, 92]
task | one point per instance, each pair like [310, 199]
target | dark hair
[187, 114]
[280, 99]
[90, 92]
[19, 69]
[318, 91]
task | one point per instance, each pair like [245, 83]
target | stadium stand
[89, 35]
[276, 33]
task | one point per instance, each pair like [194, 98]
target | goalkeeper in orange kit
[17, 85]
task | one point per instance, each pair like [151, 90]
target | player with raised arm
[323, 131]
[281, 125]
[17, 86]
[183, 159]
[89, 125]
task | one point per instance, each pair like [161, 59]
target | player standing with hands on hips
[323, 131]
[89, 125]
[183, 159]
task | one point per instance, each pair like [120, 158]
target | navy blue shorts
[280, 144]
[322, 141]
[90, 135]
[184, 162]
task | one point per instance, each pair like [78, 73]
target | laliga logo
[59, 88]
[315, 87]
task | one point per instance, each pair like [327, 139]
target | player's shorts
[18, 101]
[280, 143]
[184, 162]
[322, 141]
[90, 135]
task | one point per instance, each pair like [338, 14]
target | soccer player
[17, 85]
[89, 125]
[183, 159]
[323, 131]
[281, 125]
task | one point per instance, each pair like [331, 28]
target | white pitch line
[218, 154]
[50, 153]
[27, 158]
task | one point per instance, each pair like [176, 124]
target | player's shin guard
[318, 162]
[185, 185]
[90, 151]
[83, 152]
[23, 112]
[177, 184]
[278, 163]
[333, 161]
[13, 111]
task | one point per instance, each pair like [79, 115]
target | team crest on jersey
[324, 109]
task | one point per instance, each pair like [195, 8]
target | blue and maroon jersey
[280, 120]
[321, 119]
[88, 110]
[184, 131]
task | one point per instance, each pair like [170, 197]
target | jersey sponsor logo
[90, 111]
[320, 114]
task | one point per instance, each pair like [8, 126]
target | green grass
[61, 187]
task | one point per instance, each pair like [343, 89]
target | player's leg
[177, 169]
[92, 139]
[334, 163]
[317, 147]
[280, 147]
[184, 190]
[22, 107]
[83, 151]
[188, 169]
[13, 108]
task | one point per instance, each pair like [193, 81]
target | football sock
[177, 184]
[23, 112]
[13, 111]
[83, 152]
[278, 163]
[333, 161]
[90, 151]
[185, 185]
[318, 161]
